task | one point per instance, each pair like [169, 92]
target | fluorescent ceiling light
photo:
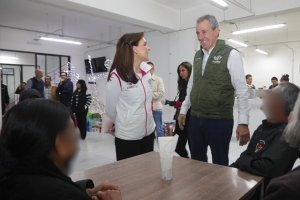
[261, 51]
[258, 29]
[9, 58]
[220, 3]
[60, 40]
[237, 42]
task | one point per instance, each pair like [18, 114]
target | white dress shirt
[236, 71]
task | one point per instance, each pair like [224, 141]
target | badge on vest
[260, 146]
[217, 59]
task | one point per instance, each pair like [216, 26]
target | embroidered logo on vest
[217, 59]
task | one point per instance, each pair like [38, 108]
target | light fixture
[261, 51]
[237, 42]
[220, 3]
[60, 40]
[8, 58]
[263, 28]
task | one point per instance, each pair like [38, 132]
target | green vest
[212, 94]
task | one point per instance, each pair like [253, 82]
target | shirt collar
[145, 67]
[207, 52]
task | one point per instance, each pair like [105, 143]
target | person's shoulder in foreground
[24, 187]
[285, 187]
[38, 142]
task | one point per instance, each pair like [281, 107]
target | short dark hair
[274, 78]
[29, 132]
[248, 76]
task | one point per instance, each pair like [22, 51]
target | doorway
[13, 75]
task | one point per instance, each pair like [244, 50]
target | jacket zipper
[145, 107]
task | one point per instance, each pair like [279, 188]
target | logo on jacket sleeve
[260, 146]
[217, 59]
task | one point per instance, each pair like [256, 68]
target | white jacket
[158, 92]
[128, 105]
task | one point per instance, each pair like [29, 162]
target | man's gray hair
[289, 93]
[292, 131]
[212, 20]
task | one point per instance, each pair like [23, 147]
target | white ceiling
[181, 4]
[43, 18]
[40, 17]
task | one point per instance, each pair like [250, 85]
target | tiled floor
[98, 149]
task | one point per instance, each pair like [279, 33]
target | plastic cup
[166, 164]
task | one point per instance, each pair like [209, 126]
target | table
[139, 178]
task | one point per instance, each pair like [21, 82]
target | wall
[100, 82]
[279, 61]
[24, 41]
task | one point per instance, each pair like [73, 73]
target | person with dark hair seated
[288, 186]
[29, 94]
[274, 81]
[37, 144]
[267, 154]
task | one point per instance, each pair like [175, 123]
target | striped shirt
[80, 101]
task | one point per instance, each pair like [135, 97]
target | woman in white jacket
[129, 96]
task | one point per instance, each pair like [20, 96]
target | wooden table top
[139, 178]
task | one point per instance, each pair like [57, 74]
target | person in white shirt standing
[129, 97]
[218, 75]
[158, 93]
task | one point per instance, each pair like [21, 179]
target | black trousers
[129, 148]
[182, 140]
[81, 120]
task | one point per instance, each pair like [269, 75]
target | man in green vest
[217, 76]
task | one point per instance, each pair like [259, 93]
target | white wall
[278, 62]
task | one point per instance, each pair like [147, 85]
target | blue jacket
[65, 91]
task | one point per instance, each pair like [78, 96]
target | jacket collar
[145, 67]
[266, 124]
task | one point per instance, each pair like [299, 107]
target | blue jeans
[157, 115]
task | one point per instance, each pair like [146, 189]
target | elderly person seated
[38, 142]
[267, 154]
[288, 186]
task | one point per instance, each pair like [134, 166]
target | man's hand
[181, 121]
[108, 195]
[95, 192]
[242, 134]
